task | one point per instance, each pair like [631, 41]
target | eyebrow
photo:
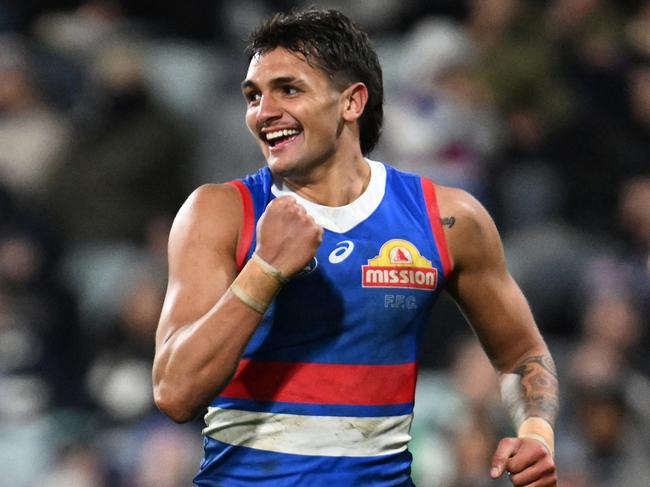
[281, 80]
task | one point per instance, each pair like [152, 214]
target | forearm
[196, 361]
[531, 397]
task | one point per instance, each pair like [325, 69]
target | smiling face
[294, 111]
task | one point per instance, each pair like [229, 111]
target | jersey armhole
[429, 190]
[248, 223]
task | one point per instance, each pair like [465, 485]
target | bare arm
[499, 314]
[204, 328]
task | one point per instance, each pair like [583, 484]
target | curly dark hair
[332, 42]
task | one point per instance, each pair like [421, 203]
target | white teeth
[281, 133]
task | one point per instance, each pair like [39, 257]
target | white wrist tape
[270, 270]
[248, 300]
[538, 429]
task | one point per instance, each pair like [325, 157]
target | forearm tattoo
[448, 221]
[539, 387]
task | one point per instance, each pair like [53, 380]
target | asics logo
[309, 268]
[342, 252]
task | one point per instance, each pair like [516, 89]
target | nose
[268, 109]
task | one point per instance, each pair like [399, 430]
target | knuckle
[550, 469]
[278, 202]
[507, 442]
[285, 203]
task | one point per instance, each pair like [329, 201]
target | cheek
[326, 122]
[250, 121]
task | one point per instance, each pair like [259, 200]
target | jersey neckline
[341, 219]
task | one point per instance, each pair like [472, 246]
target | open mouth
[278, 138]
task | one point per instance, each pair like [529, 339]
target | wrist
[538, 429]
[269, 269]
[257, 284]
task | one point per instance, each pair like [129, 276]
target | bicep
[487, 294]
[201, 255]
[499, 314]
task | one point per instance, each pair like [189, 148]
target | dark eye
[290, 90]
[252, 96]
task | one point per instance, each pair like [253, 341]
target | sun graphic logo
[399, 264]
[400, 255]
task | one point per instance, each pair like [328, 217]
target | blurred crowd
[112, 112]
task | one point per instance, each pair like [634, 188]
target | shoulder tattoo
[448, 221]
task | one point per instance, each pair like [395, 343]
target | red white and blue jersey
[323, 394]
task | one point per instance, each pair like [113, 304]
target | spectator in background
[106, 188]
[589, 35]
[607, 438]
[78, 466]
[519, 68]
[38, 327]
[472, 444]
[607, 418]
[634, 211]
[632, 136]
[637, 29]
[440, 121]
[616, 285]
[32, 134]
[123, 171]
[611, 326]
[167, 458]
[118, 379]
[41, 359]
[124, 165]
[611, 440]
[458, 420]
[601, 146]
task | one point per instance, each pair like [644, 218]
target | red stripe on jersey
[248, 223]
[368, 385]
[436, 225]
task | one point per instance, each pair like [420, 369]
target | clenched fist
[287, 237]
[527, 462]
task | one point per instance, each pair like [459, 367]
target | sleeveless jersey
[323, 394]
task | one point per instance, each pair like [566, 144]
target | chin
[282, 170]
[294, 167]
[282, 165]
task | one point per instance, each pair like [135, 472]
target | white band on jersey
[339, 436]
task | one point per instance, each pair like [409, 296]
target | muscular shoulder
[211, 215]
[472, 237]
[209, 198]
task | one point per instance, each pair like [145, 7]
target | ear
[354, 99]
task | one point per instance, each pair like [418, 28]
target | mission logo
[399, 264]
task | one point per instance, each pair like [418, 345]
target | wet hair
[332, 42]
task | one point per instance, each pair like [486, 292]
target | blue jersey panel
[314, 409]
[235, 466]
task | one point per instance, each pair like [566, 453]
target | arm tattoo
[448, 221]
[538, 387]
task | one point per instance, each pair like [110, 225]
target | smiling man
[296, 295]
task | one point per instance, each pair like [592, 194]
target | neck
[335, 184]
